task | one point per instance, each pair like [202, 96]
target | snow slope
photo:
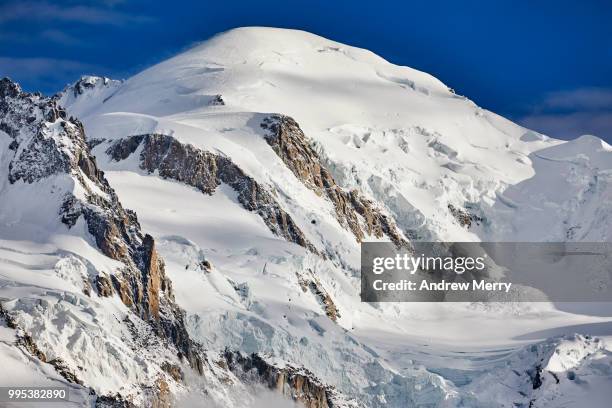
[405, 142]
[84, 300]
[355, 105]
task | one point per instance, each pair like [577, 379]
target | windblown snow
[395, 141]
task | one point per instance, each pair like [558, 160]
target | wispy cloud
[569, 114]
[60, 37]
[571, 125]
[86, 14]
[45, 73]
[579, 99]
[56, 36]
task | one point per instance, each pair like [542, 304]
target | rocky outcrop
[20, 113]
[353, 211]
[87, 84]
[113, 401]
[46, 143]
[297, 384]
[103, 285]
[308, 281]
[217, 100]
[142, 284]
[464, 217]
[205, 171]
[27, 119]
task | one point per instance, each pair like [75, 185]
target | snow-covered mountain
[253, 165]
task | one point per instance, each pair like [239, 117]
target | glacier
[259, 228]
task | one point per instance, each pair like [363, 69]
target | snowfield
[411, 147]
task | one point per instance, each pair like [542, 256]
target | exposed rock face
[27, 119]
[308, 281]
[464, 217]
[206, 171]
[175, 371]
[113, 401]
[297, 384]
[142, 284]
[46, 143]
[290, 144]
[217, 100]
[103, 286]
[89, 82]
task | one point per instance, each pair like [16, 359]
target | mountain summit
[253, 166]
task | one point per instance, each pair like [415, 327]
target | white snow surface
[404, 140]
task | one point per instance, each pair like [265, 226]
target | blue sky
[545, 64]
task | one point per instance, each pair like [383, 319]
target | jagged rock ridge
[401, 139]
[297, 384]
[290, 144]
[88, 85]
[206, 171]
[90, 82]
[308, 281]
[464, 217]
[45, 143]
